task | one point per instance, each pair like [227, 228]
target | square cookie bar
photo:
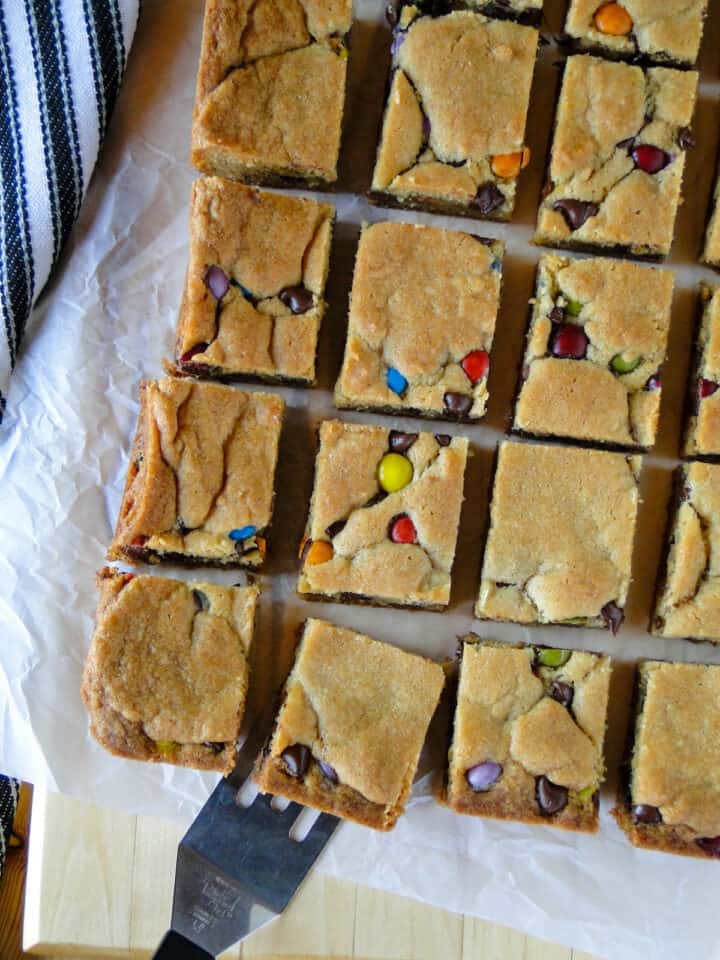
[559, 547]
[688, 596]
[348, 734]
[453, 134]
[167, 673]
[270, 90]
[702, 431]
[663, 33]
[384, 516]
[595, 347]
[528, 735]
[255, 285]
[670, 799]
[422, 318]
[199, 488]
[617, 158]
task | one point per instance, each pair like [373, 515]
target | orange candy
[613, 19]
[261, 546]
[319, 551]
[508, 165]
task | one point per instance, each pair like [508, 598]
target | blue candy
[243, 532]
[396, 381]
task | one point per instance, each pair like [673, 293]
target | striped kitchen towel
[61, 64]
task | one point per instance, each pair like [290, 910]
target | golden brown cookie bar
[271, 90]
[670, 799]
[663, 33]
[559, 547]
[595, 348]
[688, 597]
[167, 673]
[199, 488]
[453, 137]
[528, 735]
[617, 158]
[384, 516]
[255, 285]
[348, 735]
[702, 433]
[422, 317]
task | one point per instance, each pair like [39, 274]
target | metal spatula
[237, 867]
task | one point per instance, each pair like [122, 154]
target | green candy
[166, 747]
[573, 307]
[620, 365]
[585, 794]
[575, 621]
[552, 658]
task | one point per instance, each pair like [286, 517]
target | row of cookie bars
[270, 99]
[526, 744]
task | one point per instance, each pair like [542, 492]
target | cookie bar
[348, 735]
[711, 249]
[702, 432]
[559, 547]
[595, 347]
[670, 799]
[199, 489]
[271, 90]
[384, 516]
[688, 597]
[422, 317]
[453, 134]
[528, 735]
[662, 33]
[167, 672]
[255, 286]
[617, 158]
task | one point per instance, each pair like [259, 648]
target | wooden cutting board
[99, 884]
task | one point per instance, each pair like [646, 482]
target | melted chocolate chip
[201, 600]
[551, 797]
[613, 615]
[335, 528]
[182, 528]
[297, 760]
[576, 212]
[562, 692]
[215, 747]
[330, 773]
[488, 198]
[399, 442]
[376, 498]
[189, 354]
[458, 404]
[557, 314]
[685, 139]
[709, 845]
[443, 439]
[626, 143]
[298, 299]
[644, 813]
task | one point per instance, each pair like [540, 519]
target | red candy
[706, 388]
[650, 159]
[568, 341]
[476, 365]
[402, 530]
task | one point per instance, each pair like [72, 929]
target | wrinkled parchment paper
[108, 320]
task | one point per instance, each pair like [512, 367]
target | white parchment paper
[108, 320]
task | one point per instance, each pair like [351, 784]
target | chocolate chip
[576, 212]
[183, 530]
[212, 745]
[297, 760]
[458, 404]
[250, 297]
[189, 354]
[483, 775]
[709, 845]
[551, 797]
[613, 615]
[557, 314]
[335, 528]
[626, 143]
[399, 442]
[330, 773]
[562, 692]
[644, 813]
[298, 299]
[685, 139]
[376, 498]
[443, 439]
[201, 600]
[488, 198]
[426, 127]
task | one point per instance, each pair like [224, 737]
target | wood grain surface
[99, 884]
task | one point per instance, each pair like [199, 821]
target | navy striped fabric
[61, 65]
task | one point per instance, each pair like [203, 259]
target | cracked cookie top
[617, 156]
[688, 603]
[667, 32]
[595, 349]
[422, 318]
[171, 659]
[254, 292]
[559, 548]
[457, 133]
[676, 755]
[702, 437]
[529, 726]
[271, 87]
[200, 481]
[384, 515]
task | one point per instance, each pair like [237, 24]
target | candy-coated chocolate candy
[650, 159]
[483, 775]
[217, 282]
[396, 381]
[319, 551]
[622, 365]
[476, 365]
[189, 354]
[552, 657]
[402, 530]
[568, 341]
[508, 165]
[573, 307]
[243, 533]
[166, 747]
[706, 388]
[587, 793]
[654, 382]
[395, 472]
[613, 20]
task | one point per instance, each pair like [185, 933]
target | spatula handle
[175, 946]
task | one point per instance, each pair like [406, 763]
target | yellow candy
[166, 747]
[394, 472]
